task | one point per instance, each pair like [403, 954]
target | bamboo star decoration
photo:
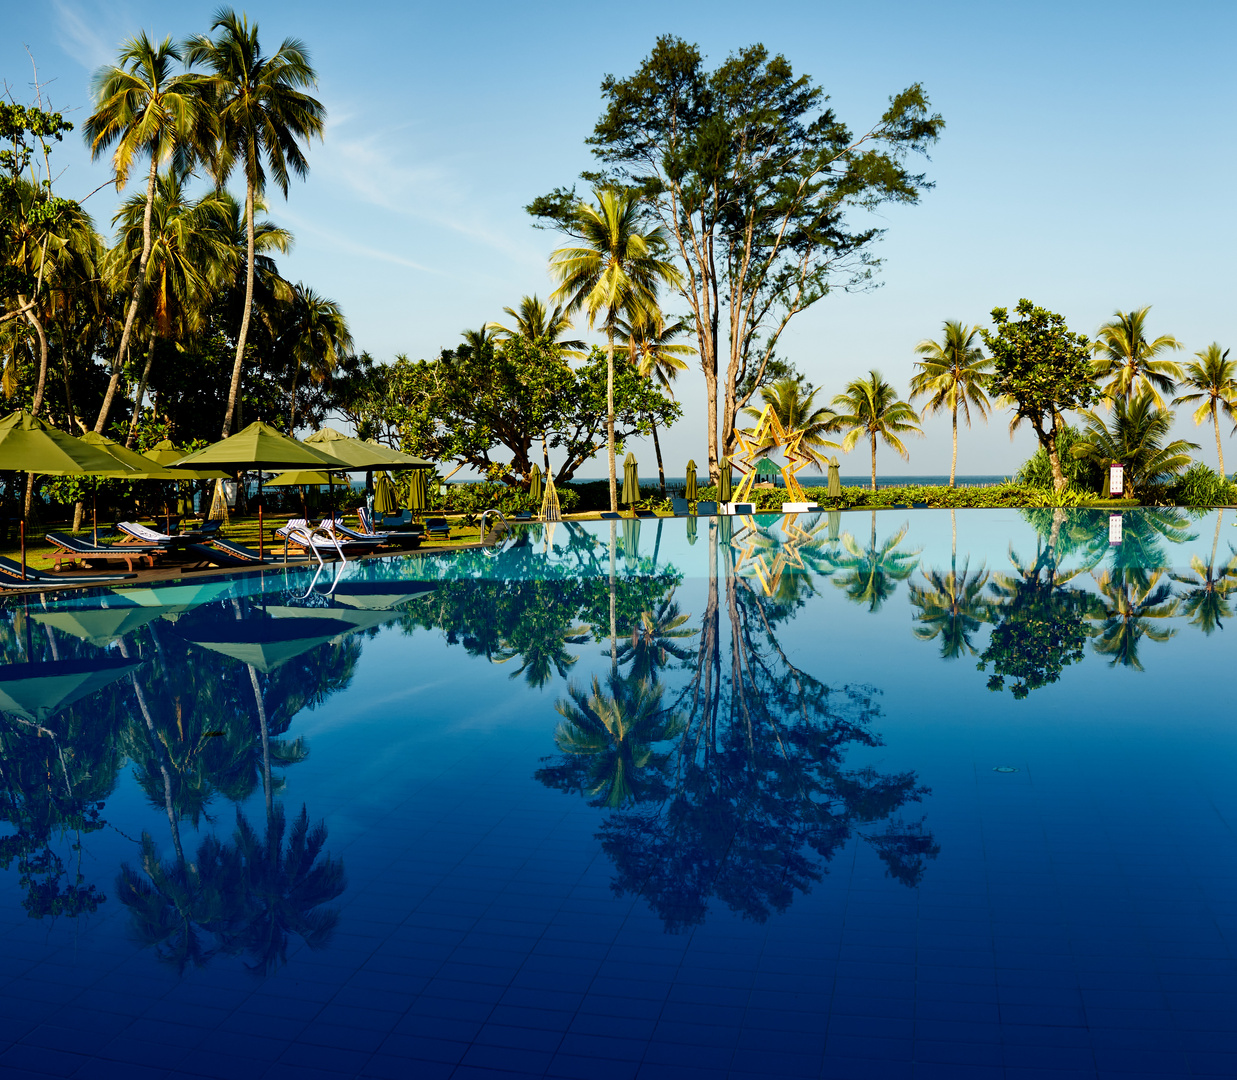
[769, 435]
[755, 546]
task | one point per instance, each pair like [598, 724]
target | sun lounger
[242, 555]
[337, 526]
[610, 515]
[135, 533]
[646, 513]
[680, 507]
[706, 509]
[522, 515]
[10, 577]
[438, 527]
[320, 541]
[73, 549]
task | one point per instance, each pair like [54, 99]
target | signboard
[1116, 479]
[1114, 528]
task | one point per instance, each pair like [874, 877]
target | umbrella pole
[261, 530]
[23, 545]
[94, 510]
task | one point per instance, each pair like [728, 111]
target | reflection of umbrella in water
[98, 626]
[176, 596]
[835, 525]
[36, 692]
[264, 644]
[534, 483]
[631, 538]
[725, 488]
[835, 478]
[380, 595]
[689, 488]
[631, 480]
[691, 530]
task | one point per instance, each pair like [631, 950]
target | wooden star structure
[769, 435]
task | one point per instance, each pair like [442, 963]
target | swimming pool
[842, 795]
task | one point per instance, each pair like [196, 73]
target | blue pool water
[856, 795]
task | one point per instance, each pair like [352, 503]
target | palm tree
[953, 375]
[872, 574]
[615, 272]
[798, 411]
[1213, 377]
[478, 344]
[1206, 602]
[873, 408]
[655, 641]
[1136, 438]
[143, 107]
[534, 323]
[657, 356]
[261, 117]
[1125, 357]
[189, 259]
[316, 336]
[1123, 608]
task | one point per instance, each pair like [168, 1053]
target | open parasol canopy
[260, 446]
[39, 691]
[363, 455]
[297, 477]
[128, 463]
[166, 452]
[29, 445]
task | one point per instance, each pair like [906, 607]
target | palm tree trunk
[292, 399]
[138, 291]
[235, 388]
[266, 739]
[141, 393]
[661, 469]
[610, 415]
[545, 454]
[613, 599]
[1215, 423]
[41, 383]
[873, 460]
[953, 465]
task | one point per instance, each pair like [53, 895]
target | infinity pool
[903, 794]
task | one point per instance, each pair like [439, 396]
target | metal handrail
[487, 513]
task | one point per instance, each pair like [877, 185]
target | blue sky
[1087, 163]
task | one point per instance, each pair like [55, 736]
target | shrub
[1200, 486]
[477, 498]
[1082, 474]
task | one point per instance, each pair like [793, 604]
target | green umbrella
[691, 530]
[689, 489]
[128, 463]
[385, 499]
[264, 643]
[166, 452]
[631, 480]
[631, 539]
[835, 479]
[299, 477]
[835, 525]
[39, 691]
[418, 500]
[362, 455]
[725, 486]
[534, 484]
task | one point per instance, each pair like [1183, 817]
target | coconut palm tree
[1213, 378]
[1125, 609]
[953, 376]
[871, 574]
[1206, 600]
[315, 335]
[795, 406]
[615, 272]
[656, 355]
[1135, 437]
[189, 260]
[261, 117]
[1127, 359]
[144, 107]
[534, 323]
[872, 407]
[655, 641]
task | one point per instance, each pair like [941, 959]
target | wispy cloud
[384, 169]
[340, 241]
[90, 33]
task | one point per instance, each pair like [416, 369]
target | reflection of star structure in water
[769, 435]
[754, 547]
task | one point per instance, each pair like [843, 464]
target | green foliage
[1043, 369]
[1081, 473]
[473, 499]
[1136, 436]
[1202, 487]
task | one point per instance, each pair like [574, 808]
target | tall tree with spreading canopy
[952, 375]
[752, 175]
[261, 117]
[1043, 369]
[616, 271]
[144, 107]
[871, 408]
[1212, 377]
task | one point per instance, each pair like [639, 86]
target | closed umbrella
[631, 539]
[28, 445]
[534, 484]
[689, 489]
[418, 498]
[631, 480]
[725, 486]
[385, 501]
[691, 530]
[835, 478]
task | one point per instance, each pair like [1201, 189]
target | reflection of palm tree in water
[951, 606]
[1126, 604]
[1206, 601]
[750, 798]
[655, 640]
[870, 576]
